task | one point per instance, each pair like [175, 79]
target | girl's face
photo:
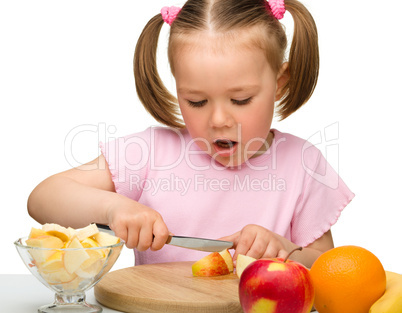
[226, 97]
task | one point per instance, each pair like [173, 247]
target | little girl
[224, 172]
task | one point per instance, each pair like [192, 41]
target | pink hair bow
[277, 8]
[169, 14]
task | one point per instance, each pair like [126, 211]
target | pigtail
[303, 60]
[155, 97]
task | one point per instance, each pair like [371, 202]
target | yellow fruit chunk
[59, 277]
[94, 254]
[90, 267]
[89, 243]
[57, 231]
[93, 265]
[242, 262]
[211, 265]
[53, 263]
[47, 241]
[105, 239]
[228, 259]
[86, 232]
[35, 232]
[72, 232]
[74, 258]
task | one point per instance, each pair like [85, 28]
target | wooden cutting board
[168, 287]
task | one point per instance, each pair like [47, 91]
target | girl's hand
[258, 242]
[138, 225]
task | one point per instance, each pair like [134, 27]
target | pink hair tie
[169, 14]
[277, 8]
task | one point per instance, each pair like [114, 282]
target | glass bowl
[69, 272]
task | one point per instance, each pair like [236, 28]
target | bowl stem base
[70, 303]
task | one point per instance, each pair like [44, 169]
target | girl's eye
[197, 104]
[242, 102]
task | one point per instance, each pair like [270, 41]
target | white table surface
[23, 293]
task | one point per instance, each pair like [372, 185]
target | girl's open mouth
[225, 147]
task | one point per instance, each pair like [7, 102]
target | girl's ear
[281, 81]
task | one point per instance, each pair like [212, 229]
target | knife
[201, 244]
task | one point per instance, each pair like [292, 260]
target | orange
[347, 279]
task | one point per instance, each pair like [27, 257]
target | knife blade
[194, 243]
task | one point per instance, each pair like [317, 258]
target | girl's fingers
[145, 238]
[132, 238]
[243, 246]
[121, 233]
[233, 238]
[161, 234]
[272, 250]
[282, 254]
[259, 247]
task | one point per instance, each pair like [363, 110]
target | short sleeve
[128, 160]
[322, 200]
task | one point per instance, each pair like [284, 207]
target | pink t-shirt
[290, 189]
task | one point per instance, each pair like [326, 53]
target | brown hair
[226, 17]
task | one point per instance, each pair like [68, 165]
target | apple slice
[59, 277]
[72, 232]
[87, 231]
[53, 263]
[57, 231]
[105, 239]
[74, 258]
[228, 259]
[211, 265]
[94, 254]
[242, 262]
[36, 232]
[45, 241]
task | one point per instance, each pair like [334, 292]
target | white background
[66, 66]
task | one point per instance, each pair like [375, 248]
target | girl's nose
[220, 117]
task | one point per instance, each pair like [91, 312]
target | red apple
[276, 286]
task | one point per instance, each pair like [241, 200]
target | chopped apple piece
[45, 241]
[94, 254]
[105, 239]
[58, 277]
[72, 232]
[57, 231]
[90, 267]
[228, 259]
[35, 232]
[211, 265]
[53, 263]
[242, 262]
[86, 232]
[89, 243]
[70, 255]
[74, 258]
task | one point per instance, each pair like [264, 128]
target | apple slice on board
[242, 262]
[228, 259]
[214, 264]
